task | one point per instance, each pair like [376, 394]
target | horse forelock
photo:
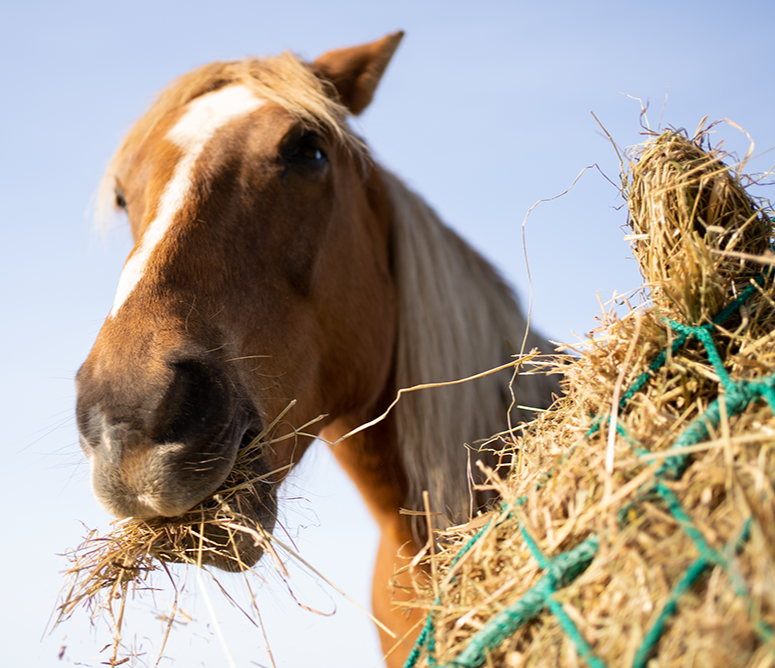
[285, 80]
[456, 318]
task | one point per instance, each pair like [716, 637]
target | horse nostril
[91, 425]
[194, 405]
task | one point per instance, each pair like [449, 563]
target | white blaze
[191, 133]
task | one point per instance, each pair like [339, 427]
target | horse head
[260, 275]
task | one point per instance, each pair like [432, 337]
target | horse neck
[456, 318]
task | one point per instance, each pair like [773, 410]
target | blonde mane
[284, 79]
[456, 318]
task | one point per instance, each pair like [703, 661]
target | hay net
[638, 523]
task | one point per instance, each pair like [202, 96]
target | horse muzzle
[161, 438]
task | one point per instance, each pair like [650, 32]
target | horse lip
[232, 449]
[142, 485]
[259, 510]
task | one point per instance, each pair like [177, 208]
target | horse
[276, 261]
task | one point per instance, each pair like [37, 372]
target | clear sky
[484, 110]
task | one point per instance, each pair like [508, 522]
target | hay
[106, 570]
[638, 522]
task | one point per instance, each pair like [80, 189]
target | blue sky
[485, 110]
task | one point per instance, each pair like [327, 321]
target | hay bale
[638, 521]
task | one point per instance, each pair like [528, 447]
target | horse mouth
[231, 528]
[240, 515]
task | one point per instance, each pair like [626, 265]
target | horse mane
[284, 79]
[456, 318]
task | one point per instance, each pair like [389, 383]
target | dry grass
[105, 571]
[700, 240]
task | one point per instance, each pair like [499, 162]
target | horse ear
[356, 71]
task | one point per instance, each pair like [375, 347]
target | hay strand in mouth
[104, 569]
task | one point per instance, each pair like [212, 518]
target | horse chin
[237, 548]
[232, 545]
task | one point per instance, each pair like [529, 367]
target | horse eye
[120, 201]
[309, 152]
